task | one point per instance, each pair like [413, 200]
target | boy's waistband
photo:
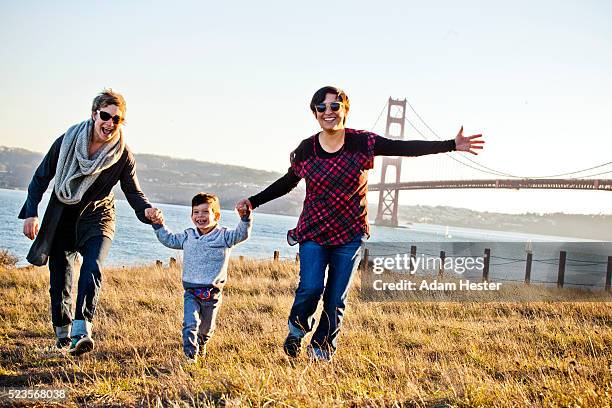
[205, 293]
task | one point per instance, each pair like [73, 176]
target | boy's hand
[155, 215]
[245, 212]
[244, 208]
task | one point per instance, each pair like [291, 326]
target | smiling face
[106, 130]
[204, 217]
[330, 120]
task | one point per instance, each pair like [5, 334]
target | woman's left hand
[468, 143]
[155, 215]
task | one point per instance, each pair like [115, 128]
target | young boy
[206, 254]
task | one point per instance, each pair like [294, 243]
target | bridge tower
[388, 198]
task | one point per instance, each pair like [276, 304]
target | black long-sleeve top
[94, 215]
[382, 147]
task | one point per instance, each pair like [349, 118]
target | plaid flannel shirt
[335, 208]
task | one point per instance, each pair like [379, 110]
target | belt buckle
[204, 293]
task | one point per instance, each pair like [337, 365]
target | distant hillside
[593, 226]
[169, 180]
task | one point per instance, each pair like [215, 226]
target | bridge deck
[516, 184]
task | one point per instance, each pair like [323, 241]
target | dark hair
[319, 96]
[206, 198]
[109, 97]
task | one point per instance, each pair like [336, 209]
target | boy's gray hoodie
[205, 257]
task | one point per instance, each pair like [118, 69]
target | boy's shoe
[316, 354]
[80, 345]
[62, 343]
[292, 345]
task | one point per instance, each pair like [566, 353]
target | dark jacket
[94, 215]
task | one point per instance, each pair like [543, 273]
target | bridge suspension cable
[497, 172]
[493, 172]
[490, 170]
[596, 174]
[379, 116]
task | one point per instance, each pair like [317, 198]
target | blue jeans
[61, 268]
[341, 262]
[199, 322]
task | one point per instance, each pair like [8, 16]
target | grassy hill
[391, 353]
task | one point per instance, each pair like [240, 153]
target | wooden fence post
[609, 274]
[561, 276]
[528, 268]
[158, 264]
[485, 270]
[241, 258]
[172, 262]
[297, 258]
[276, 256]
[413, 250]
[365, 260]
[443, 259]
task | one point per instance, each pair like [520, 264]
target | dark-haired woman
[334, 221]
[86, 162]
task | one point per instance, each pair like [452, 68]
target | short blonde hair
[109, 97]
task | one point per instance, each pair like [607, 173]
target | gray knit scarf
[76, 171]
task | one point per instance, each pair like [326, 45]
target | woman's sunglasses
[334, 106]
[106, 116]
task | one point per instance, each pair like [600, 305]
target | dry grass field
[391, 353]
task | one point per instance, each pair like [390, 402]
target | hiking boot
[80, 345]
[292, 345]
[62, 343]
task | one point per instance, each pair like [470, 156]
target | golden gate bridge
[388, 203]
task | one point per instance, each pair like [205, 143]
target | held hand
[245, 211]
[30, 227]
[244, 208]
[468, 143]
[243, 205]
[155, 215]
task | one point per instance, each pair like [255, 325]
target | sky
[231, 83]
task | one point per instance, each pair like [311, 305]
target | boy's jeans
[199, 322]
[342, 262]
[61, 262]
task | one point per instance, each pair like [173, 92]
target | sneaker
[316, 354]
[62, 343]
[292, 345]
[80, 345]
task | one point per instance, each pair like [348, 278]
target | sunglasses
[334, 106]
[106, 116]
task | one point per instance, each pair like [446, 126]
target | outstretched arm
[241, 233]
[388, 147]
[166, 237]
[468, 143]
[277, 189]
